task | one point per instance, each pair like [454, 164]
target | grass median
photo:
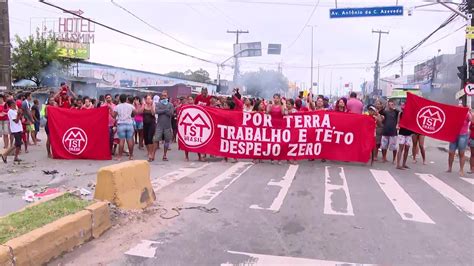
[19, 223]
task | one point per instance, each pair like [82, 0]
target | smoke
[264, 83]
[53, 74]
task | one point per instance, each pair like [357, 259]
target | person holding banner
[404, 143]
[460, 144]
[277, 110]
[51, 102]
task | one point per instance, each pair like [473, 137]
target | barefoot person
[389, 133]
[404, 143]
[124, 113]
[418, 144]
[14, 116]
[460, 144]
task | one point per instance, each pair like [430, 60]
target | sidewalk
[72, 174]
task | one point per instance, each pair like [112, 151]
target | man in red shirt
[62, 98]
[203, 99]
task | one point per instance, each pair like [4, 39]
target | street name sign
[469, 89]
[366, 12]
[470, 32]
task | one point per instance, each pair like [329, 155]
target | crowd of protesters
[152, 120]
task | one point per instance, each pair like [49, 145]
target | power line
[157, 29]
[129, 35]
[444, 37]
[306, 24]
[420, 43]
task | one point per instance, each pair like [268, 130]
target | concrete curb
[50, 241]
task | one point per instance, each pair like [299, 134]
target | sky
[345, 49]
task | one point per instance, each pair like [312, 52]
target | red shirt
[239, 105]
[64, 102]
[203, 101]
[4, 109]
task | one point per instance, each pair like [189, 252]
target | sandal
[165, 159]
[4, 159]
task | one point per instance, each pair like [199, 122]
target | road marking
[260, 259]
[469, 180]
[457, 199]
[216, 186]
[146, 249]
[403, 203]
[168, 179]
[284, 185]
[334, 188]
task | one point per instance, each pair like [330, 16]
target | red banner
[433, 119]
[309, 135]
[79, 134]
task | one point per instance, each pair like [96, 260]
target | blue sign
[366, 12]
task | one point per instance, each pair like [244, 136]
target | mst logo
[430, 119]
[75, 140]
[195, 127]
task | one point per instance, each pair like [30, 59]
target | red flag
[307, 135]
[79, 134]
[433, 119]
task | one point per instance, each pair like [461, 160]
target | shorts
[163, 134]
[460, 144]
[37, 126]
[389, 142]
[4, 127]
[125, 131]
[138, 125]
[404, 140]
[471, 143]
[17, 136]
[30, 128]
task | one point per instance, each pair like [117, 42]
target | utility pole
[401, 66]
[5, 57]
[470, 45]
[377, 63]
[312, 56]
[236, 62]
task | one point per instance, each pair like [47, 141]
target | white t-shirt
[124, 113]
[14, 127]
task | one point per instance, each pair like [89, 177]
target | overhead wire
[420, 43]
[306, 24]
[159, 30]
[130, 35]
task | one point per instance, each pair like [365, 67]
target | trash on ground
[48, 192]
[84, 192]
[53, 172]
[29, 196]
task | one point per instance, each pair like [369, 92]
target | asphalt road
[311, 214]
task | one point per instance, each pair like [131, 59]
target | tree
[264, 83]
[33, 56]
[200, 75]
